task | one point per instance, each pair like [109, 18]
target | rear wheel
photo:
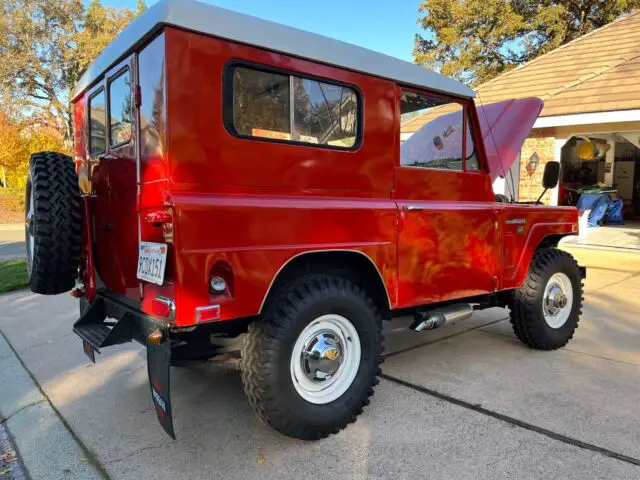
[53, 223]
[310, 364]
[545, 311]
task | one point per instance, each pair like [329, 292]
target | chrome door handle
[412, 208]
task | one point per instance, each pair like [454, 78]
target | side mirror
[551, 175]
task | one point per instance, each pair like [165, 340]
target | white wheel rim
[325, 359]
[557, 301]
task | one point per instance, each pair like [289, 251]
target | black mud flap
[158, 362]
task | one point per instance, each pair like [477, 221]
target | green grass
[13, 275]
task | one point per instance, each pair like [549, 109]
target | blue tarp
[598, 203]
[615, 213]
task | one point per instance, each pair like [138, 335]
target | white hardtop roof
[222, 23]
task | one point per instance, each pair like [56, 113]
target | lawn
[13, 275]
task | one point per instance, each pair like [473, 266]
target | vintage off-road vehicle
[236, 182]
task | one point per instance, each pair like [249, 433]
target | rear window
[97, 124]
[120, 109]
[288, 108]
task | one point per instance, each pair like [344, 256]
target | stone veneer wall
[530, 187]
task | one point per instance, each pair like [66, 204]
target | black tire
[527, 314]
[267, 349]
[56, 223]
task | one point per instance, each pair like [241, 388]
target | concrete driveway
[467, 401]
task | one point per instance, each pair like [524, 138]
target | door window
[120, 114]
[97, 124]
[436, 126]
[471, 157]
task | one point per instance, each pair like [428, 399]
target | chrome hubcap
[321, 356]
[557, 300]
[325, 359]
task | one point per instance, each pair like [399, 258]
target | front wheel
[546, 310]
[310, 364]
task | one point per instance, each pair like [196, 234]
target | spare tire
[53, 223]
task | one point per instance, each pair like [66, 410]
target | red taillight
[207, 314]
[158, 217]
[163, 307]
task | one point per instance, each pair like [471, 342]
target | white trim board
[588, 118]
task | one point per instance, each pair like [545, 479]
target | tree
[45, 46]
[17, 140]
[475, 40]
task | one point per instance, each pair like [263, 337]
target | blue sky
[387, 26]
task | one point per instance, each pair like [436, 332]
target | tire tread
[57, 223]
[260, 355]
[524, 309]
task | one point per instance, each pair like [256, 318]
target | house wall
[530, 186]
[548, 142]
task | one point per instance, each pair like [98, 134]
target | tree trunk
[4, 179]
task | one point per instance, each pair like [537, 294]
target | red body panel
[243, 208]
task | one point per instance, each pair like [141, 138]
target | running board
[432, 319]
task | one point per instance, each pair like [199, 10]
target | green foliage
[475, 40]
[45, 46]
[13, 275]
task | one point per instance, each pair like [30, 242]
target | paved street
[465, 401]
[11, 242]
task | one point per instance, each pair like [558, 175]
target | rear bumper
[122, 316]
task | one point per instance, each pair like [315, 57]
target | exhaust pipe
[432, 319]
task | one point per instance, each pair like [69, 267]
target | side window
[97, 124]
[290, 108]
[324, 113]
[120, 109]
[471, 158]
[261, 104]
[437, 143]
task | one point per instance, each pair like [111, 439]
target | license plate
[152, 259]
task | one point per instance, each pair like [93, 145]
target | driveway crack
[514, 421]
[24, 407]
[429, 342]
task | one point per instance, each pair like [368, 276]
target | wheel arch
[353, 265]
[541, 236]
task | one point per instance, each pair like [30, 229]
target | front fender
[537, 235]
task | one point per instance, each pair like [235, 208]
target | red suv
[242, 186]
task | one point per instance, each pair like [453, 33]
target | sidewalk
[12, 241]
[43, 443]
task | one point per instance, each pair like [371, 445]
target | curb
[6, 227]
[606, 248]
[46, 446]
